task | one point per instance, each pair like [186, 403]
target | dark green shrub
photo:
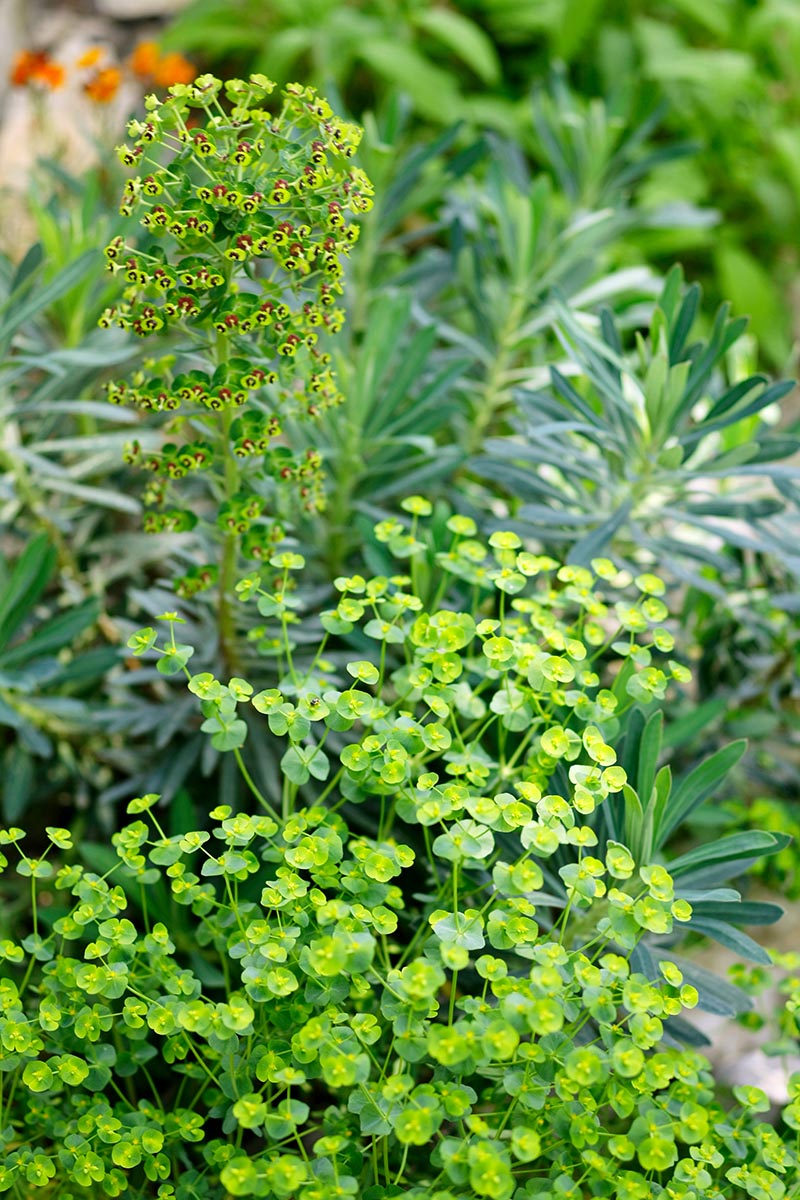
[726, 72]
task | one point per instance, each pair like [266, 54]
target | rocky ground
[737, 1052]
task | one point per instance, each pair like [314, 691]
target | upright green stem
[347, 473]
[226, 620]
[493, 393]
[265, 804]
[363, 264]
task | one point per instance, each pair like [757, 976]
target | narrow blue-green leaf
[31, 261]
[753, 843]
[683, 323]
[595, 542]
[13, 315]
[740, 912]
[56, 633]
[697, 786]
[649, 751]
[682, 729]
[464, 39]
[28, 580]
[732, 938]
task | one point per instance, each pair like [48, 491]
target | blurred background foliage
[517, 348]
[728, 70]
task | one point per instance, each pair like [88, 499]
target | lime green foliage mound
[283, 1044]
[418, 968]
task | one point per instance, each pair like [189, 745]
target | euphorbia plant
[440, 960]
[245, 202]
[284, 1006]
[501, 666]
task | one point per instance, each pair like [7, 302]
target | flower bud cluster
[245, 204]
[267, 194]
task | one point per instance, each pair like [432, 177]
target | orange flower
[174, 68]
[34, 66]
[104, 85]
[25, 63]
[52, 75]
[90, 58]
[144, 60]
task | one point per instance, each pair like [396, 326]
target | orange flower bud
[23, 66]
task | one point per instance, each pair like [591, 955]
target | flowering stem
[249, 781]
[226, 620]
[403, 1162]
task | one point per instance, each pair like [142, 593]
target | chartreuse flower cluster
[510, 688]
[284, 1045]
[245, 201]
[296, 1006]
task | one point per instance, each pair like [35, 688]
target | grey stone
[138, 10]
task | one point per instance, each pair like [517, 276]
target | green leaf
[594, 543]
[13, 314]
[432, 89]
[464, 38]
[38, 1076]
[417, 1124]
[460, 929]
[727, 935]
[240, 1176]
[716, 995]
[208, 26]
[741, 912]
[105, 497]
[662, 789]
[696, 787]
[294, 766]
[28, 580]
[715, 15]
[684, 320]
[649, 751]
[31, 261]
[737, 413]
[19, 782]
[231, 736]
[56, 633]
[682, 729]
[142, 641]
[635, 837]
[174, 659]
[737, 849]
[753, 291]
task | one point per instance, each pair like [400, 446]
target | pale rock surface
[12, 23]
[63, 125]
[138, 10]
[736, 1052]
